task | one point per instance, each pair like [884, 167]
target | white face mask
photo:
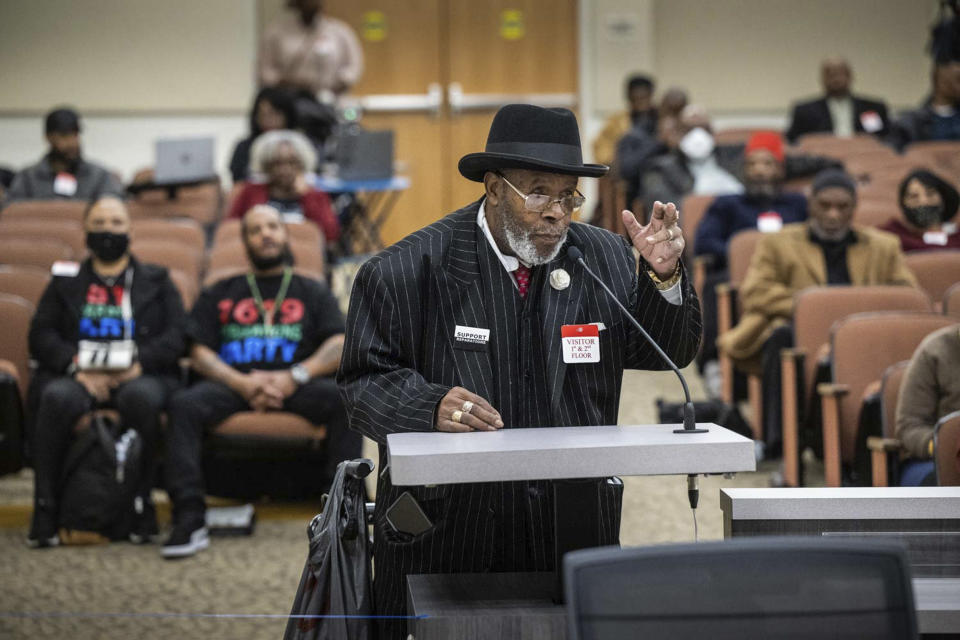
[697, 144]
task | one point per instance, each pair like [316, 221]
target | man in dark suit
[458, 328]
[838, 112]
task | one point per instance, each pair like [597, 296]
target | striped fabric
[401, 358]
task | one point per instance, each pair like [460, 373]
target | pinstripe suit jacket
[400, 359]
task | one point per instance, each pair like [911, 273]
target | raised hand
[660, 241]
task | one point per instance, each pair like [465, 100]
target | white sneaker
[185, 541]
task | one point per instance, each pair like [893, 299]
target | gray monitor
[744, 588]
[365, 155]
[184, 160]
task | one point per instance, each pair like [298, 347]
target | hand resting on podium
[461, 410]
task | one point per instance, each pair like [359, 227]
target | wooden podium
[523, 605]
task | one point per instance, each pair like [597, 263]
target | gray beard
[526, 251]
[827, 236]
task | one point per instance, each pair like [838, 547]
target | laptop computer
[184, 160]
[365, 155]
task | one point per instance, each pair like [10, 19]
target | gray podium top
[851, 503]
[564, 452]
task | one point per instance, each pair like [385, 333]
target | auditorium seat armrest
[832, 389]
[791, 368]
[725, 322]
[876, 443]
[881, 452]
[830, 394]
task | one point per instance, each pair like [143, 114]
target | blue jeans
[916, 473]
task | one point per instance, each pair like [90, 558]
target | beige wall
[758, 55]
[127, 55]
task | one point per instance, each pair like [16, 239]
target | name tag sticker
[115, 355]
[769, 222]
[65, 268]
[64, 184]
[871, 121]
[935, 237]
[581, 343]
[473, 338]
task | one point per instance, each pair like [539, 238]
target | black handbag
[100, 479]
[334, 600]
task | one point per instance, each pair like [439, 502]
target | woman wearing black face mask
[928, 203]
[107, 332]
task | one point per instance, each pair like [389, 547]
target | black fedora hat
[524, 136]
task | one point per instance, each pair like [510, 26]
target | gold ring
[456, 416]
[467, 406]
[670, 231]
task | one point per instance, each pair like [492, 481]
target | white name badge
[471, 335]
[581, 343]
[935, 237]
[769, 222]
[871, 121]
[114, 355]
[65, 184]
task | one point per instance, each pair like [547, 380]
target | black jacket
[157, 311]
[814, 117]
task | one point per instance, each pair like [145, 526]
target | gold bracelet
[930, 447]
[663, 285]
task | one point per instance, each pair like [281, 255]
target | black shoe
[145, 529]
[189, 536]
[43, 528]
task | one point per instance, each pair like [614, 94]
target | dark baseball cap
[62, 121]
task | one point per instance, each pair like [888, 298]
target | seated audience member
[927, 202]
[63, 172]
[930, 390]
[306, 50]
[640, 113]
[266, 340]
[697, 165]
[938, 118]
[284, 157]
[763, 173]
[839, 112]
[826, 250]
[273, 109]
[763, 205]
[133, 313]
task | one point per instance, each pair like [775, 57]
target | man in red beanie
[763, 206]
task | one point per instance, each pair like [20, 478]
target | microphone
[689, 416]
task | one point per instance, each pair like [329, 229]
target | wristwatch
[299, 374]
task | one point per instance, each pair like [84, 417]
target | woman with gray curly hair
[282, 158]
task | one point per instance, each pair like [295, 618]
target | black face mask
[107, 245]
[924, 217]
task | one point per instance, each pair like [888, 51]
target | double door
[436, 73]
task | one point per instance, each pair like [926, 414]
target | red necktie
[522, 274]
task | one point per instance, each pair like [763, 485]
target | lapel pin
[559, 279]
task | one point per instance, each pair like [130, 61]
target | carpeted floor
[126, 591]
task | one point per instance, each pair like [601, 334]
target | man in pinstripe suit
[458, 328]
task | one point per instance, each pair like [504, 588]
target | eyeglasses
[539, 203]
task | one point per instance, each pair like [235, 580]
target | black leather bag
[100, 480]
[334, 599]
